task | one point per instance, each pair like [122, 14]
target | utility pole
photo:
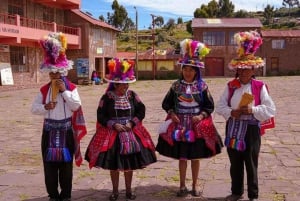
[153, 52]
[136, 44]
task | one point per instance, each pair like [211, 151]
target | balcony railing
[8, 19]
[37, 24]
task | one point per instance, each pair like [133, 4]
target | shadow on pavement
[144, 193]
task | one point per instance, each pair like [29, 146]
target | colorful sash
[128, 143]
[57, 150]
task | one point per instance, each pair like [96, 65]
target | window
[15, 7]
[214, 38]
[231, 38]
[48, 14]
[278, 44]
[17, 59]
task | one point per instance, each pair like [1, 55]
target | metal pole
[136, 44]
[153, 52]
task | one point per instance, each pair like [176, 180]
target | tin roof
[93, 20]
[281, 33]
[225, 22]
[126, 55]
[160, 54]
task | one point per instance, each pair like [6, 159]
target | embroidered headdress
[120, 71]
[193, 52]
[55, 59]
[248, 43]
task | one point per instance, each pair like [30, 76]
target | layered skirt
[104, 150]
[207, 142]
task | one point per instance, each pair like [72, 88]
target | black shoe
[113, 196]
[182, 192]
[233, 197]
[130, 196]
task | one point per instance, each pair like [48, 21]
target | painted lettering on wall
[9, 30]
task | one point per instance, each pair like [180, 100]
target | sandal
[130, 196]
[182, 192]
[113, 196]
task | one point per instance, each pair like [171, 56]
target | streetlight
[136, 43]
[153, 52]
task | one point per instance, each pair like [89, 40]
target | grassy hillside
[163, 38]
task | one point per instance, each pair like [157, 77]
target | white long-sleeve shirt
[67, 102]
[261, 112]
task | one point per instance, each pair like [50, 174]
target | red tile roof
[225, 22]
[281, 33]
[93, 20]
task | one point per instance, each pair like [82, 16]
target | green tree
[269, 13]
[101, 18]
[226, 8]
[179, 20]
[159, 21]
[212, 9]
[189, 27]
[290, 4]
[119, 18]
[170, 25]
[201, 12]
[241, 14]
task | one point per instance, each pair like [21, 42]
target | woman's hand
[128, 126]
[119, 127]
[197, 118]
[174, 117]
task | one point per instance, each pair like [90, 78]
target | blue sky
[166, 8]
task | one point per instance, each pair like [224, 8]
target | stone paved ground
[21, 172]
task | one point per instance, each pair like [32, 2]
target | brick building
[218, 34]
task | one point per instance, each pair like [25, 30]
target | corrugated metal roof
[225, 22]
[92, 20]
[281, 33]
[126, 55]
[161, 54]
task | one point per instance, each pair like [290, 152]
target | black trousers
[58, 173]
[249, 158]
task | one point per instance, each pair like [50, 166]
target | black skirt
[113, 160]
[186, 150]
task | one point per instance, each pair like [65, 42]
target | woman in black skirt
[188, 132]
[121, 142]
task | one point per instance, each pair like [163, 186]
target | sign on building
[6, 74]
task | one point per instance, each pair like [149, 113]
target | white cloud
[187, 7]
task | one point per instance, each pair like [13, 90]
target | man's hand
[236, 113]
[61, 85]
[50, 106]
[246, 110]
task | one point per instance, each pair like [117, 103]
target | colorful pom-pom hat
[193, 52]
[248, 43]
[120, 71]
[55, 59]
